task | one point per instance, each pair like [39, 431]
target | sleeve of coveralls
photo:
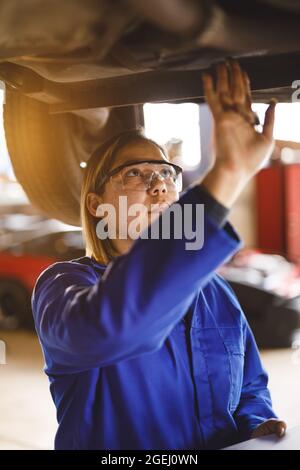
[131, 310]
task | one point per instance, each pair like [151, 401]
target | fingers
[231, 92]
[253, 118]
[223, 85]
[275, 426]
[241, 93]
[238, 90]
[268, 125]
[280, 428]
[210, 94]
[271, 426]
[248, 100]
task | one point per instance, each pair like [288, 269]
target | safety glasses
[139, 175]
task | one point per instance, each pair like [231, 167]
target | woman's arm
[255, 416]
[84, 322]
[143, 294]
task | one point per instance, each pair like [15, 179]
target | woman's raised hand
[240, 149]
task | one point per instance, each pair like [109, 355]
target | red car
[20, 266]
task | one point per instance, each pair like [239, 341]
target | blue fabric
[153, 351]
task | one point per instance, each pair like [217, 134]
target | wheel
[15, 306]
[46, 150]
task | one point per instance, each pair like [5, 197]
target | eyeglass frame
[116, 170]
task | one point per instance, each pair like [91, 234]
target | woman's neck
[122, 246]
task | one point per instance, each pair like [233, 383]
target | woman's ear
[92, 202]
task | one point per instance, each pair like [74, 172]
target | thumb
[268, 125]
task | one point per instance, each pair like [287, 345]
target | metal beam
[270, 76]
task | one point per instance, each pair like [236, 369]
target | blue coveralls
[153, 351]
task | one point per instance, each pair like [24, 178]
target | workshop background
[265, 274]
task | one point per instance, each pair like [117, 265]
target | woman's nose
[158, 186]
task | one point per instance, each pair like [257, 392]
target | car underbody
[77, 71]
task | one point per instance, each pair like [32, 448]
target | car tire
[46, 150]
[15, 306]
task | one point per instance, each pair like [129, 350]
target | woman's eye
[166, 173]
[133, 172]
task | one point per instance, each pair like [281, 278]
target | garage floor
[27, 414]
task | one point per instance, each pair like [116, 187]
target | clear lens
[138, 177]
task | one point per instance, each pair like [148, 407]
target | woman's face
[158, 193]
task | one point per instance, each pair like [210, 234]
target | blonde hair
[98, 165]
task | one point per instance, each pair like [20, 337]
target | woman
[146, 347]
